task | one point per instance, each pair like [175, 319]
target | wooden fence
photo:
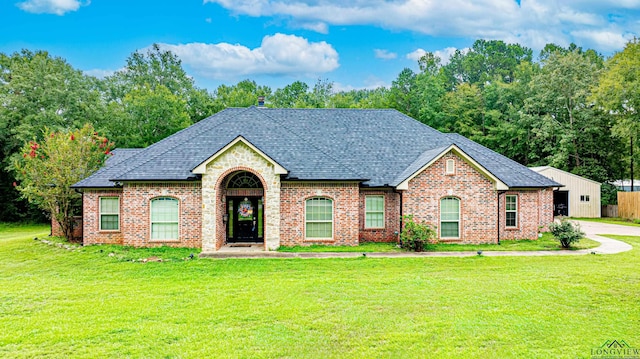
[629, 205]
[610, 210]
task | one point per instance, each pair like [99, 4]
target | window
[319, 218]
[109, 213]
[449, 217]
[584, 198]
[164, 218]
[374, 212]
[511, 208]
[450, 167]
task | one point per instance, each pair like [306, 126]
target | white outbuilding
[580, 197]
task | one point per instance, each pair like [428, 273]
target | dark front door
[561, 203]
[245, 216]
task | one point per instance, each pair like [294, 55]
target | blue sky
[353, 43]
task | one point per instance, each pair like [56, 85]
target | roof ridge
[178, 143]
[314, 146]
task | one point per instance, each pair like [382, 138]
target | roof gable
[428, 158]
[202, 167]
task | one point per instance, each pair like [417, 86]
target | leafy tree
[291, 96]
[149, 115]
[244, 94]
[37, 91]
[402, 94]
[159, 69]
[46, 170]
[618, 94]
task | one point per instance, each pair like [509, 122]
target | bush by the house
[416, 235]
[566, 232]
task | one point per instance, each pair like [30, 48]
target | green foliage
[608, 194]
[416, 236]
[37, 91]
[566, 232]
[47, 169]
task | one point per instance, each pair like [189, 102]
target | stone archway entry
[244, 215]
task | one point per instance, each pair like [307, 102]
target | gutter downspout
[499, 193]
[400, 229]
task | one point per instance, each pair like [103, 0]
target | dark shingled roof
[376, 147]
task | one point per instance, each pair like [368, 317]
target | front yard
[91, 303]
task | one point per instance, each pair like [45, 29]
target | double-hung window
[319, 218]
[164, 218]
[374, 212]
[449, 217]
[511, 208]
[109, 213]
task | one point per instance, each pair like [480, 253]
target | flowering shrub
[46, 170]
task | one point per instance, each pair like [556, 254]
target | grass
[546, 243]
[611, 220]
[84, 303]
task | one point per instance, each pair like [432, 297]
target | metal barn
[580, 197]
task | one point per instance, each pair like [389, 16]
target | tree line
[569, 108]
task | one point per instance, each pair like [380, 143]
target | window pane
[449, 229]
[109, 222]
[374, 220]
[164, 231]
[164, 210]
[109, 205]
[511, 219]
[319, 230]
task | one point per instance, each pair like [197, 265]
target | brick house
[303, 176]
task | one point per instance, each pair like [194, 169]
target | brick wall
[535, 212]
[56, 231]
[91, 218]
[392, 217]
[478, 199]
[135, 210]
[345, 198]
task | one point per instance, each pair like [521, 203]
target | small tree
[47, 170]
[566, 232]
[415, 234]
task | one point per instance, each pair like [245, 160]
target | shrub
[566, 232]
[415, 235]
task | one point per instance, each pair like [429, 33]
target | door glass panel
[245, 210]
[230, 221]
[260, 218]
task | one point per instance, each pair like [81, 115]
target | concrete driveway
[592, 230]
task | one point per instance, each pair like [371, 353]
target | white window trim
[585, 198]
[100, 213]
[450, 221]
[151, 221]
[511, 211]
[366, 211]
[450, 167]
[311, 239]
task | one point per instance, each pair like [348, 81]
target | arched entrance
[244, 215]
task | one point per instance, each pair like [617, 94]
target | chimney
[260, 101]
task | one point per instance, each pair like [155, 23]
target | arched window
[319, 218]
[244, 179]
[449, 217]
[164, 218]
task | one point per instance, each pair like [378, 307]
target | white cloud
[279, 54]
[99, 73]
[58, 7]
[605, 40]
[384, 54]
[320, 27]
[416, 55]
[533, 23]
[444, 54]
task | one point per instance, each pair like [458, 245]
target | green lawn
[88, 303]
[610, 220]
[546, 243]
